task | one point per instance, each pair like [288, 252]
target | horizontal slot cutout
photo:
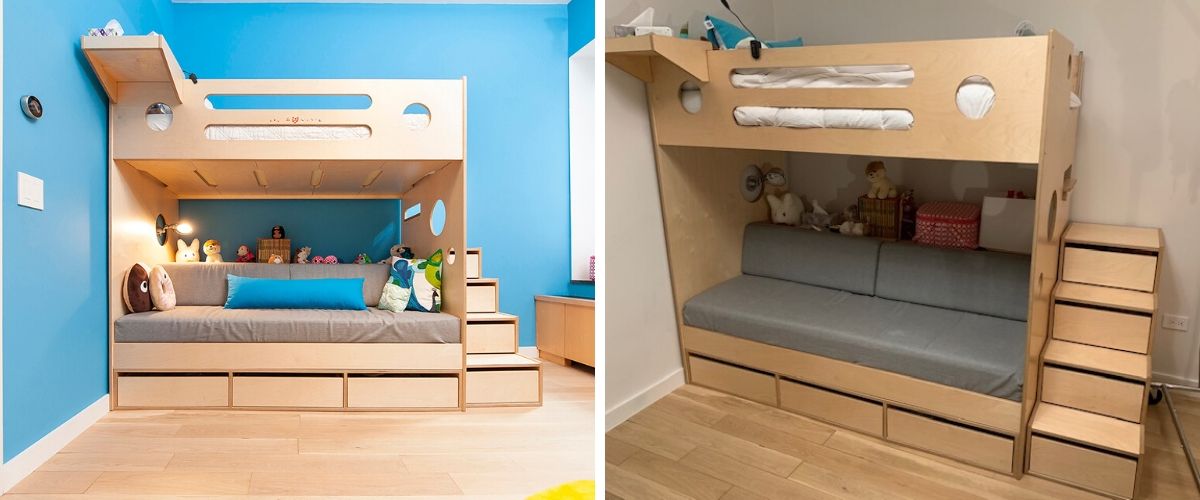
[287, 133]
[873, 76]
[287, 101]
[804, 118]
[412, 211]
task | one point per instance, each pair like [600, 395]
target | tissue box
[1007, 224]
[948, 224]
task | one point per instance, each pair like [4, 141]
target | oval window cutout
[450, 257]
[417, 116]
[975, 97]
[437, 218]
[159, 117]
[689, 96]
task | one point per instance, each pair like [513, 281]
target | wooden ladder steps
[1103, 296]
[1090, 429]
[500, 361]
[1136, 238]
[1123, 364]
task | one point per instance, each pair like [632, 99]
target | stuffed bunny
[188, 253]
[881, 186]
[785, 209]
[212, 251]
[302, 255]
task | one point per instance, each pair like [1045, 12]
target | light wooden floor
[486, 452]
[698, 443]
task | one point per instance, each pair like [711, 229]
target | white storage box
[1006, 224]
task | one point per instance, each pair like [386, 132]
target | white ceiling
[527, 2]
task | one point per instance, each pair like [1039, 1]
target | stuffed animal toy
[785, 209]
[275, 259]
[402, 252]
[302, 256]
[188, 253]
[136, 289]
[881, 186]
[212, 251]
[363, 259]
[332, 259]
[851, 228]
[818, 219]
[162, 289]
[277, 233]
[244, 254]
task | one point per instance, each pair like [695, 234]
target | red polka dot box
[948, 224]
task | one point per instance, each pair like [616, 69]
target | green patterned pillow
[414, 285]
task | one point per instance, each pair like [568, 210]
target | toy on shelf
[363, 259]
[188, 253]
[244, 254]
[785, 209]
[819, 219]
[277, 233]
[277, 245]
[275, 259]
[212, 251]
[332, 259]
[908, 215]
[948, 224]
[851, 225]
[881, 186]
[402, 252]
[302, 255]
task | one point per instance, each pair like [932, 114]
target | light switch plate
[30, 192]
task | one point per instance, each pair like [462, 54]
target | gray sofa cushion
[991, 283]
[812, 257]
[202, 284]
[978, 353]
[374, 276]
[217, 324]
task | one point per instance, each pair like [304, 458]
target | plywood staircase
[1088, 427]
[496, 374]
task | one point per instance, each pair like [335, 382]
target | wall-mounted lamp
[161, 227]
[754, 180]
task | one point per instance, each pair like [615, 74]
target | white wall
[1138, 158]
[581, 84]
[641, 338]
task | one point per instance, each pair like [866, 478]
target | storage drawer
[284, 391]
[172, 391]
[1117, 269]
[1115, 330]
[1093, 469]
[482, 298]
[503, 386]
[749, 384]
[981, 448]
[403, 391]
[485, 338]
[846, 411]
[1094, 393]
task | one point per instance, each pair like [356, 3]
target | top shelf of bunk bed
[132, 59]
[1033, 78]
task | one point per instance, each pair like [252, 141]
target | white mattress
[879, 76]
[286, 132]
[871, 119]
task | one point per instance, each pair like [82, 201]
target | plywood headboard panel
[449, 186]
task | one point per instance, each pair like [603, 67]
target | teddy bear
[212, 251]
[785, 209]
[188, 253]
[244, 254]
[881, 186]
[302, 255]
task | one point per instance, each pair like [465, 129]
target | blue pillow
[266, 293]
[729, 35]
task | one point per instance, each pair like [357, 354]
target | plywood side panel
[1011, 131]
[447, 185]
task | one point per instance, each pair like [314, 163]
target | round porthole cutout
[437, 218]
[975, 97]
[159, 116]
[417, 116]
[689, 96]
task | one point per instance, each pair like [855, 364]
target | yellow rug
[574, 490]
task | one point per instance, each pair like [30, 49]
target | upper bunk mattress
[979, 353]
[217, 324]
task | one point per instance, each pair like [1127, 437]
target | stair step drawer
[172, 391]
[474, 263]
[290, 392]
[482, 298]
[1134, 271]
[977, 447]
[1094, 393]
[749, 384]
[503, 386]
[403, 391]
[1099, 327]
[1084, 467]
[485, 338]
[846, 411]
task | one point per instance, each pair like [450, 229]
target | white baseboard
[1174, 379]
[528, 351]
[628, 408]
[15, 470]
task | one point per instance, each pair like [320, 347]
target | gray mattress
[983, 354]
[217, 324]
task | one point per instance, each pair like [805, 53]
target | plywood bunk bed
[265, 154]
[721, 255]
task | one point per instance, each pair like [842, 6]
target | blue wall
[56, 261]
[343, 228]
[515, 61]
[581, 21]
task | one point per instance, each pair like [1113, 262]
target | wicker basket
[882, 216]
[270, 246]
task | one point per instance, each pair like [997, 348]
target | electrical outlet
[1175, 322]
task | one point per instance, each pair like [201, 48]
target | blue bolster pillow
[267, 293]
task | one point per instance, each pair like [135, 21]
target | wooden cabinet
[566, 329]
